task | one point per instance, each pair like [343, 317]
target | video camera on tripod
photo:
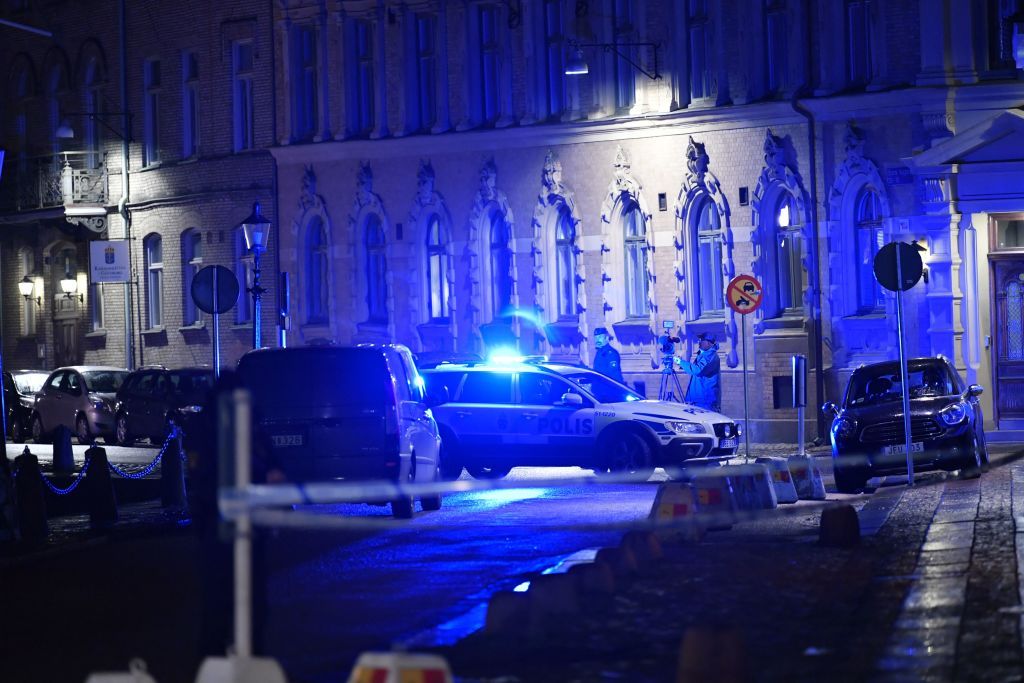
[667, 343]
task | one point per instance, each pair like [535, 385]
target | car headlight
[99, 404]
[681, 427]
[190, 409]
[844, 427]
[953, 414]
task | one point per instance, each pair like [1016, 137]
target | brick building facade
[198, 94]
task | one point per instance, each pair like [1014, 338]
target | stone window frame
[154, 280]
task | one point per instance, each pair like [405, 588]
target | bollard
[507, 613]
[621, 560]
[8, 502]
[711, 655]
[63, 455]
[594, 579]
[31, 501]
[551, 598]
[172, 476]
[99, 489]
[840, 526]
[645, 545]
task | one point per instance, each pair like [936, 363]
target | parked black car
[20, 387]
[947, 426]
[151, 397]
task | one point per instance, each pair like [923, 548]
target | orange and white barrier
[752, 486]
[782, 480]
[676, 503]
[715, 498]
[806, 478]
[400, 667]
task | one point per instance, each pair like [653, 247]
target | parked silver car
[79, 397]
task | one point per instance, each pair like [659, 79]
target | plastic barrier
[752, 486]
[677, 501]
[716, 499]
[136, 674]
[806, 478]
[400, 667]
[782, 480]
[240, 670]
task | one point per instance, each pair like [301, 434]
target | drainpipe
[282, 333]
[799, 108]
[122, 204]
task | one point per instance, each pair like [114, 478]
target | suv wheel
[481, 472]
[121, 433]
[82, 430]
[431, 503]
[39, 434]
[971, 468]
[626, 454]
[849, 482]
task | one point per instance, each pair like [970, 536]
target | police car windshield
[605, 390]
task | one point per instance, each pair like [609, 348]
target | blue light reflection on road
[499, 497]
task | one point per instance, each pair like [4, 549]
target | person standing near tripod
[606, 360]
[705, 389]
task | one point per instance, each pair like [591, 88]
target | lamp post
[256, 229]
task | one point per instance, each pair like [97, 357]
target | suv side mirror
[975, 390]
[830, 407]
[571, 399]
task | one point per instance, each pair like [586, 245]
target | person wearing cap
[705, 389]
[606, 360]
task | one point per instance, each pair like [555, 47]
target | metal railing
[54, 180]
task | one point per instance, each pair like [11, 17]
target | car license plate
[728, 443]
[280, 440]
[901, 449]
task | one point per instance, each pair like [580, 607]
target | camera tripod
[665, 391]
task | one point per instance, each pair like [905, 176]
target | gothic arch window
[789, 274]
[376, 270]
[707, 240]
[500, 236]
[869, 236]
[21, 82]
[91, 105]
[317, 272]
[565, 265]
[54, 87]
[437, 270]
[636, 280]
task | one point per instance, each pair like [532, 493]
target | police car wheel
[481, 472]
[432, 503]
[626, 454]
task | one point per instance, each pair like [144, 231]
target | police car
[508, 412]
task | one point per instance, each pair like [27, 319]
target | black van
[334, 412]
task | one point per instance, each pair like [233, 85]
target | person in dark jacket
[606, 360]
[705, 389]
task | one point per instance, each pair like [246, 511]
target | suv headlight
[844, 427]
[681, 427]
[953, 414]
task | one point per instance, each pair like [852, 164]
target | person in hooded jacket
[705, 389]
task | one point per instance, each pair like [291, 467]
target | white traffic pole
[243, 525]
[746, 419]
[903, 367]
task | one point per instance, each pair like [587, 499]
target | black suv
[947, 427]
[20, 387]
[154, 396]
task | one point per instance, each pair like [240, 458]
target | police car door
[481, 414]
[555, 432]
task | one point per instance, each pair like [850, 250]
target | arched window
[91, 105]
[27, 261]
[376, 271]
[565, 266]
[317, 267]
[869, 238]
[707, 263]
[789, 252]
[191, 262]
[243, 271]
[154, 255]
[54, 85]
[437, 270]
[635, 236]
[501, 265]
[22, 92]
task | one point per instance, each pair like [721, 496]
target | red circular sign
[744, 294]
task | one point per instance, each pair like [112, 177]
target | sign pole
[903, 369]
[216, 331]
[746, 419]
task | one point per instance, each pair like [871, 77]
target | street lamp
[256, 229]
[26, 287]
[69, 285]
[576, 65]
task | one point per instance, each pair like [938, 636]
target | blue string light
[72, 486]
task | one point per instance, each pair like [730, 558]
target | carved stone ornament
[696, 161]
[97, 224]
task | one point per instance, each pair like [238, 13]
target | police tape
[264, 503]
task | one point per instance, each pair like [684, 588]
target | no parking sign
[744, 294]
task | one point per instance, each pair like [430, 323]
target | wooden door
[65, 342]
[1008, 361]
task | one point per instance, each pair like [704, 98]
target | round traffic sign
[226, 288]
[744, 294]
[910, 266]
